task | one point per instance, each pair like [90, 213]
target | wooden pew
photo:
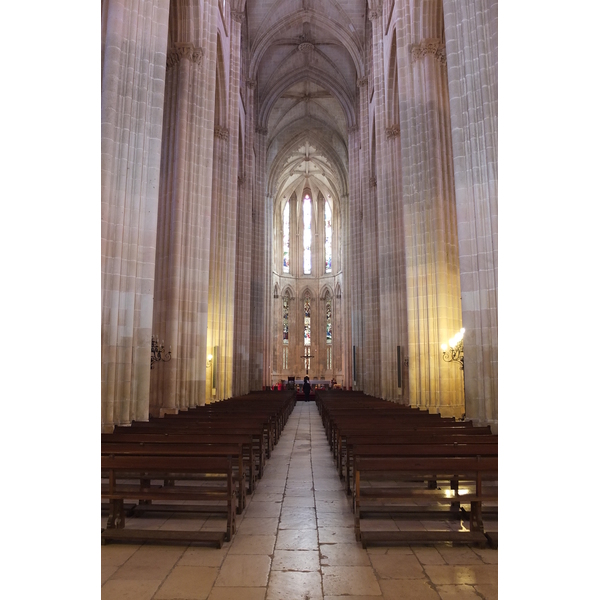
[401, 427]
[250, 451]
[190, 427]
[167, 448]
[435, 449]
[224, 423]
[466, 470]
[403, 437]
[121, 470]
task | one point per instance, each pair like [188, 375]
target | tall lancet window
[328, 237]
[307, 320]
[286, 323]
[328, 328]
[307, 239]
[286, 237]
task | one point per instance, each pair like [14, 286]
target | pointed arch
[315, 75]
[273, 31]
[392, 95]
[326, 289]
[288, 290]
[220, 87]
[320, 142]
[306, 291]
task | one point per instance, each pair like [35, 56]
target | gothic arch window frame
[328, 234]
[285, 316]
[306, 318]
[328, 317]
[285, 234]
[307, 232]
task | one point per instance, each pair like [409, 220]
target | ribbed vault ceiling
[306, 57]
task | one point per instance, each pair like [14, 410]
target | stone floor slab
[340, 581]
[294, 586]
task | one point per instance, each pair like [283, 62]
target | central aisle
[295, 541]
[301, 506]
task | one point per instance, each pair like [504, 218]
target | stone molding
[306, 47]
[187, 51]
[222, 133]
[392, 131]
[431, 46]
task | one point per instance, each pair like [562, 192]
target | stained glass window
[328, 328]
[307, 239]
[286, 324]
[286, 237]
[328, 236]
[307, 321]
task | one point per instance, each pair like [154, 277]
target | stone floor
[295, 541]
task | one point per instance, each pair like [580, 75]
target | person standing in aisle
[306, 389]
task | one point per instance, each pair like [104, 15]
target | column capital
[261, 130]
[251, 83]
[362, 82]
[373, 182]
[430, 46]
[237, 16]
[374, 14]
[392, 131]
[353, 129]
[222, 133]
[184, 50]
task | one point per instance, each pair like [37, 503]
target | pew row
[142, 478]
[460, 481]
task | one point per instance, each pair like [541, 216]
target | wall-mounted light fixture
[453, 351]
[158, 352]
[209, 358]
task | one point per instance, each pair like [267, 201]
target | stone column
[224, 223]
[471, 28]
[134, 49]
[342, 341]
[268, 287]
[259, 296]
[352, 218]
[241, 382]
[432, 271]
[181, 288]
[369, 353]
[390, 241]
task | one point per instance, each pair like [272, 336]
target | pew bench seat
[141, 478]
[400, 489]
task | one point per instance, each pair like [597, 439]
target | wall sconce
[158, 352]
[209, 358]
[454, 353]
